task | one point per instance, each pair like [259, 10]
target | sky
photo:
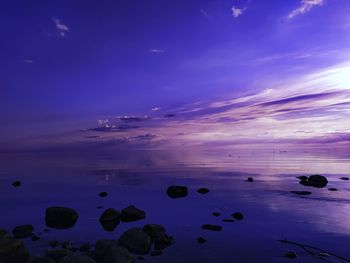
[201, 72]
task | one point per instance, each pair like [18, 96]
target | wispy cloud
[155, 50]
[156, 109]
[305, 7]
[61, 28]
[236, 12]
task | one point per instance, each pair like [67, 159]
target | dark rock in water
[212, 227]
[176, 191]
[344, 178]
[303, 178]
[99, 207]
[332, 189]
[12, 251]
[301, 192]
[60, 217]
[109, 251]
[228, 220]
[22, 231]
[316, 180]
[75, 258]
[291, 255]
[238, 216]
[158, 236]
[201, 240]
[35, 238]
[84, 247]
[42, 260]
[103, 194]
[3, 234]
[131, 213]
[136, 240]
[323, 254]
[110, 219]
[216, 214]
[57, 254]
[156, 253]
[250, 179]
[16, 184]
[66, 244]
[54, 243]
[203, 190]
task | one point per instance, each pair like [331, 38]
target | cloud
[155, 50]
[133, 118]
[305, 7]
[236, 12]
[61, 28]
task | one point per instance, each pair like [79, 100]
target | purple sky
[238, 71]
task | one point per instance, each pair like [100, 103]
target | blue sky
[67, 64]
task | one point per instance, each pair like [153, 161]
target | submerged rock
[212, 227]
[332, 189]
[158, 236]
[103, 194]
[35, 238]
[60, 217]
[250, 179]
[16, 183]
[291, 255]
[136, 240]
[237, 215]
[316, 180]
[12, 251]
[203, 190]
[110, 219]
[201, 240]
[301, 192]
[344, 178]
[131, 213]
[176, 191]
[109, 251]
[57, 254]
[22, 231]
[216, 214]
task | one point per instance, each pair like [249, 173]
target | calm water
[141, 178]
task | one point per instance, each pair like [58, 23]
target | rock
[22, 231]
[99, 207]
[42, 260]
[291, 255]
[250, 179]
[301, 192]
[84, 247]
[158, 236]
[201, 240]
[108, 251]
[136, 240]
[212, 227]
[177, 191]
[332, 189]
[66, 244]
[110, 219]
[344, 178]
[303, 178]
[35, 238]
[74, 258]
[16, 184]
[103, 194]
[3, 234]
[54, 243]
[228, 220]
[203, 190]
[316, 180]
[57, 254]
[238, 216]
[156, 253]
[60, 217]
[323, 254]
[12, 251]
[131, 213]
[216, 214]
